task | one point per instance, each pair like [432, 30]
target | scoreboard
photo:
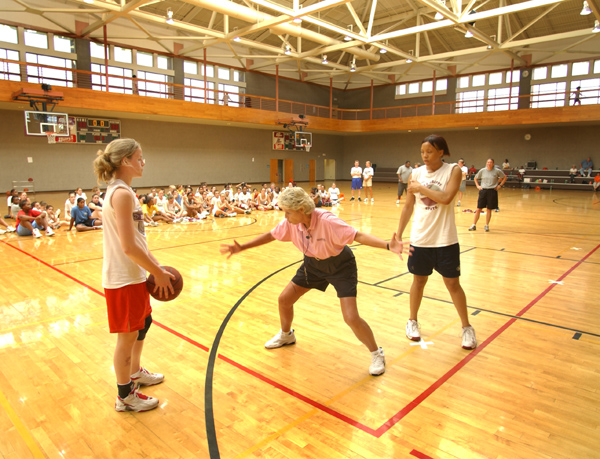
[97, 130]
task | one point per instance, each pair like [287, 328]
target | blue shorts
[356, 183]
[22, 231]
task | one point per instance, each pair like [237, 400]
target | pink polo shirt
[328, 235]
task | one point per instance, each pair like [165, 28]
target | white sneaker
[2, 231]
[412, 330]
[136, 401]
[486, 228]
[281, 339]
[472, 228]
[154, 224]
[11, 229]
[469, 341]
[458, 204]
[372, 200]
[144, 378]
[231, 214]
[36, 233]
[49, 232]
[146, 223]
[377, 363]
[398, 201]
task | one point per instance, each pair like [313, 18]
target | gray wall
[264, 85]
[551, 147]
[175, 153]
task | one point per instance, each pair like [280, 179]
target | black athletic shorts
[402, 187]
[445, 260]
[339, 271]
[488, 199]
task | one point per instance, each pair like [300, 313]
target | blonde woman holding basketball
[431, 193]
[126, 261]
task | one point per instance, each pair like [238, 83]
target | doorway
[329, 172]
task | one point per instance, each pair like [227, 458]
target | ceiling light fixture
[586, 9]
[170, 16]
[297, 20]
[493, 37]
[348, 37]
[236, 38]
[324, 61]
[596, 28]
[439, 16]
[353, 65]
[409, 60]
[383, 50]
[288, 50]
[469, 34]
[89, 2]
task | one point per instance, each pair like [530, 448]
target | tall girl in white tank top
[432, 189]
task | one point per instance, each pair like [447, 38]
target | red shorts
[127, 307]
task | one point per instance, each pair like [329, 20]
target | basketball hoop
[51, 137]
[307, 148]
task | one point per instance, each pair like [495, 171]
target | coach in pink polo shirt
[323, 239]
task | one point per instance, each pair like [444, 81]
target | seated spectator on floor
[96, 190]
[316, 197]
[96, 207]
[28, 224]
[10, 195]
[334, 194]
[81, 216]
[14, 207]
[190, 207]
[160, 201]
[53, 220]
[69, 204]
[262, 200]
[586, 167]
[221, 207]
[80, 194]
[173, 209]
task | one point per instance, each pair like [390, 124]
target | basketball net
[51, 137]
[307, 148]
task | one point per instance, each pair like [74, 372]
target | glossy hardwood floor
[530, 390]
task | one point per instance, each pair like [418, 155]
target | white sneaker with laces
[377, 366]
[136, 401]
[472, 228]
[144, 378]
[372, 200]
[412, 330]
[469, 341]
[36, 233]
[486, 228]
[458, 204]
[11, 229]
[398, 201]
[49, 232]
[2, 231]
[281, 339]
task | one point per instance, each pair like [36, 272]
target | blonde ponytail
[108, 161]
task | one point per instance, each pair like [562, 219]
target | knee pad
[143, 331]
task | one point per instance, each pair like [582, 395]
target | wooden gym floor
[530, 390]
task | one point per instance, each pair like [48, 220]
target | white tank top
[118, 270]
[433, 224]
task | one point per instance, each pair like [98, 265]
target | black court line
[211, 433]
[555, 201]
[491, 311]
[536, 255]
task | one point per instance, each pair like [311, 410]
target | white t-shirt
[68, 207]
[433, 223]
[9, 201]
[162, 203]
[82, 195]
[367, 172]
[334, 193]
[356, 171]
[465, 171]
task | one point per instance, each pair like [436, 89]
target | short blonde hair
[108, 161]
[296, 198]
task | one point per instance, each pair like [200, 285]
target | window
[470, 101]
[540, 73]
[36, 39]
[194, 91]
[498, 99]
[238, 76]
[597, 66]
[210, 70]
[8, 70]
[9, 34]
[479, 80]
[163, 62]
[496, 78]
[96, 50]
[559, 71]
[590, 90]
[145, 59]
[463, 82]
[427, 86]
[64, 44]
[580, 68]
[123, 55]
[413, 88]
[230, 95]
[61, 76]
[548, 95]
[190, 67]
[401, 89]
[516, 76]
[223, 73]
[116, 80]
[441, 85]
[155, 86]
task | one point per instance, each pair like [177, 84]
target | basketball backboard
[39, 123]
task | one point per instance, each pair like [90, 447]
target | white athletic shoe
[281, 339]
[153, 223]
[469, 341]
[136, 401]
[144, 378]
[377, 366]
[2, 231]
[412, 330]
[372, 200]
[458, 204]
[398, 201]
[36, 233]
[472, 228]
[49, 232]
[11, 229]
[486, 228]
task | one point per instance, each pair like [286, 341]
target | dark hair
[23, 203]
[438, 142]
[34, 203]
[15, 197]
[80, 200]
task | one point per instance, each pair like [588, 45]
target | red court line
[420, 455]
[400, 414]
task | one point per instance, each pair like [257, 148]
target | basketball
[177, 284]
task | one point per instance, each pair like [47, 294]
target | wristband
[388, 246]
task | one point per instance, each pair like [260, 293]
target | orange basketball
[177, 284]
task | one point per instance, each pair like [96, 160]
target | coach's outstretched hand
[230, 248]
[399, 247]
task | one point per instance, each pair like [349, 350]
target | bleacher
[545, 179]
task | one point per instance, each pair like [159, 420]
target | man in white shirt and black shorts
[488, 192]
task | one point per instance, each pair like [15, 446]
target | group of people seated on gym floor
[176, 204]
